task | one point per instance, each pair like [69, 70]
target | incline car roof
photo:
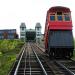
[59, 8]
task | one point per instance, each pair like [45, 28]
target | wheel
[71, 53]
[46, 50]
[51, 54]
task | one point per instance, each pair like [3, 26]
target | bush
[8, 53]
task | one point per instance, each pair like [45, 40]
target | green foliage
[8, 53]
[0, 53]
[7, 45]
[74, 51]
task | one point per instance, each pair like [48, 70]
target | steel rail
[16, 60]
[69, 71]
[15, 73]
[66, 69]
[29, 63]
[25, 62]
[44, 71]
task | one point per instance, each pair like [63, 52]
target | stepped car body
[58, 32]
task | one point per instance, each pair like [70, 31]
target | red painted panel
[60, 25]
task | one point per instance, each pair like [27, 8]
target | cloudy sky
[13, 12]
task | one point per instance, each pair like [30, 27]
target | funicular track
[59, 67]
[30, 64]
[68, 65]
[33, 61]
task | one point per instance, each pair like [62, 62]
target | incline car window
[52, 18]
[67, 17]
[59, 16]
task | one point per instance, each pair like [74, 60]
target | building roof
[38, 25]
[22, 25]
[10, 31]
[30, 30]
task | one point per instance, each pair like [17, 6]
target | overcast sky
[13, 12]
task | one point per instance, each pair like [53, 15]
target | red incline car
[58, 32]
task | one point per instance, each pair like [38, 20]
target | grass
[8, 57]
[6, 62]
[74, 52]
[73, 55]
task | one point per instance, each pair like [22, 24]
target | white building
[24, 31]
[38, 32]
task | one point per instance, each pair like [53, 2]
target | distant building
[8, 34]
[30, 34]
[38, 32]
[42, 37]
[22, 31]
